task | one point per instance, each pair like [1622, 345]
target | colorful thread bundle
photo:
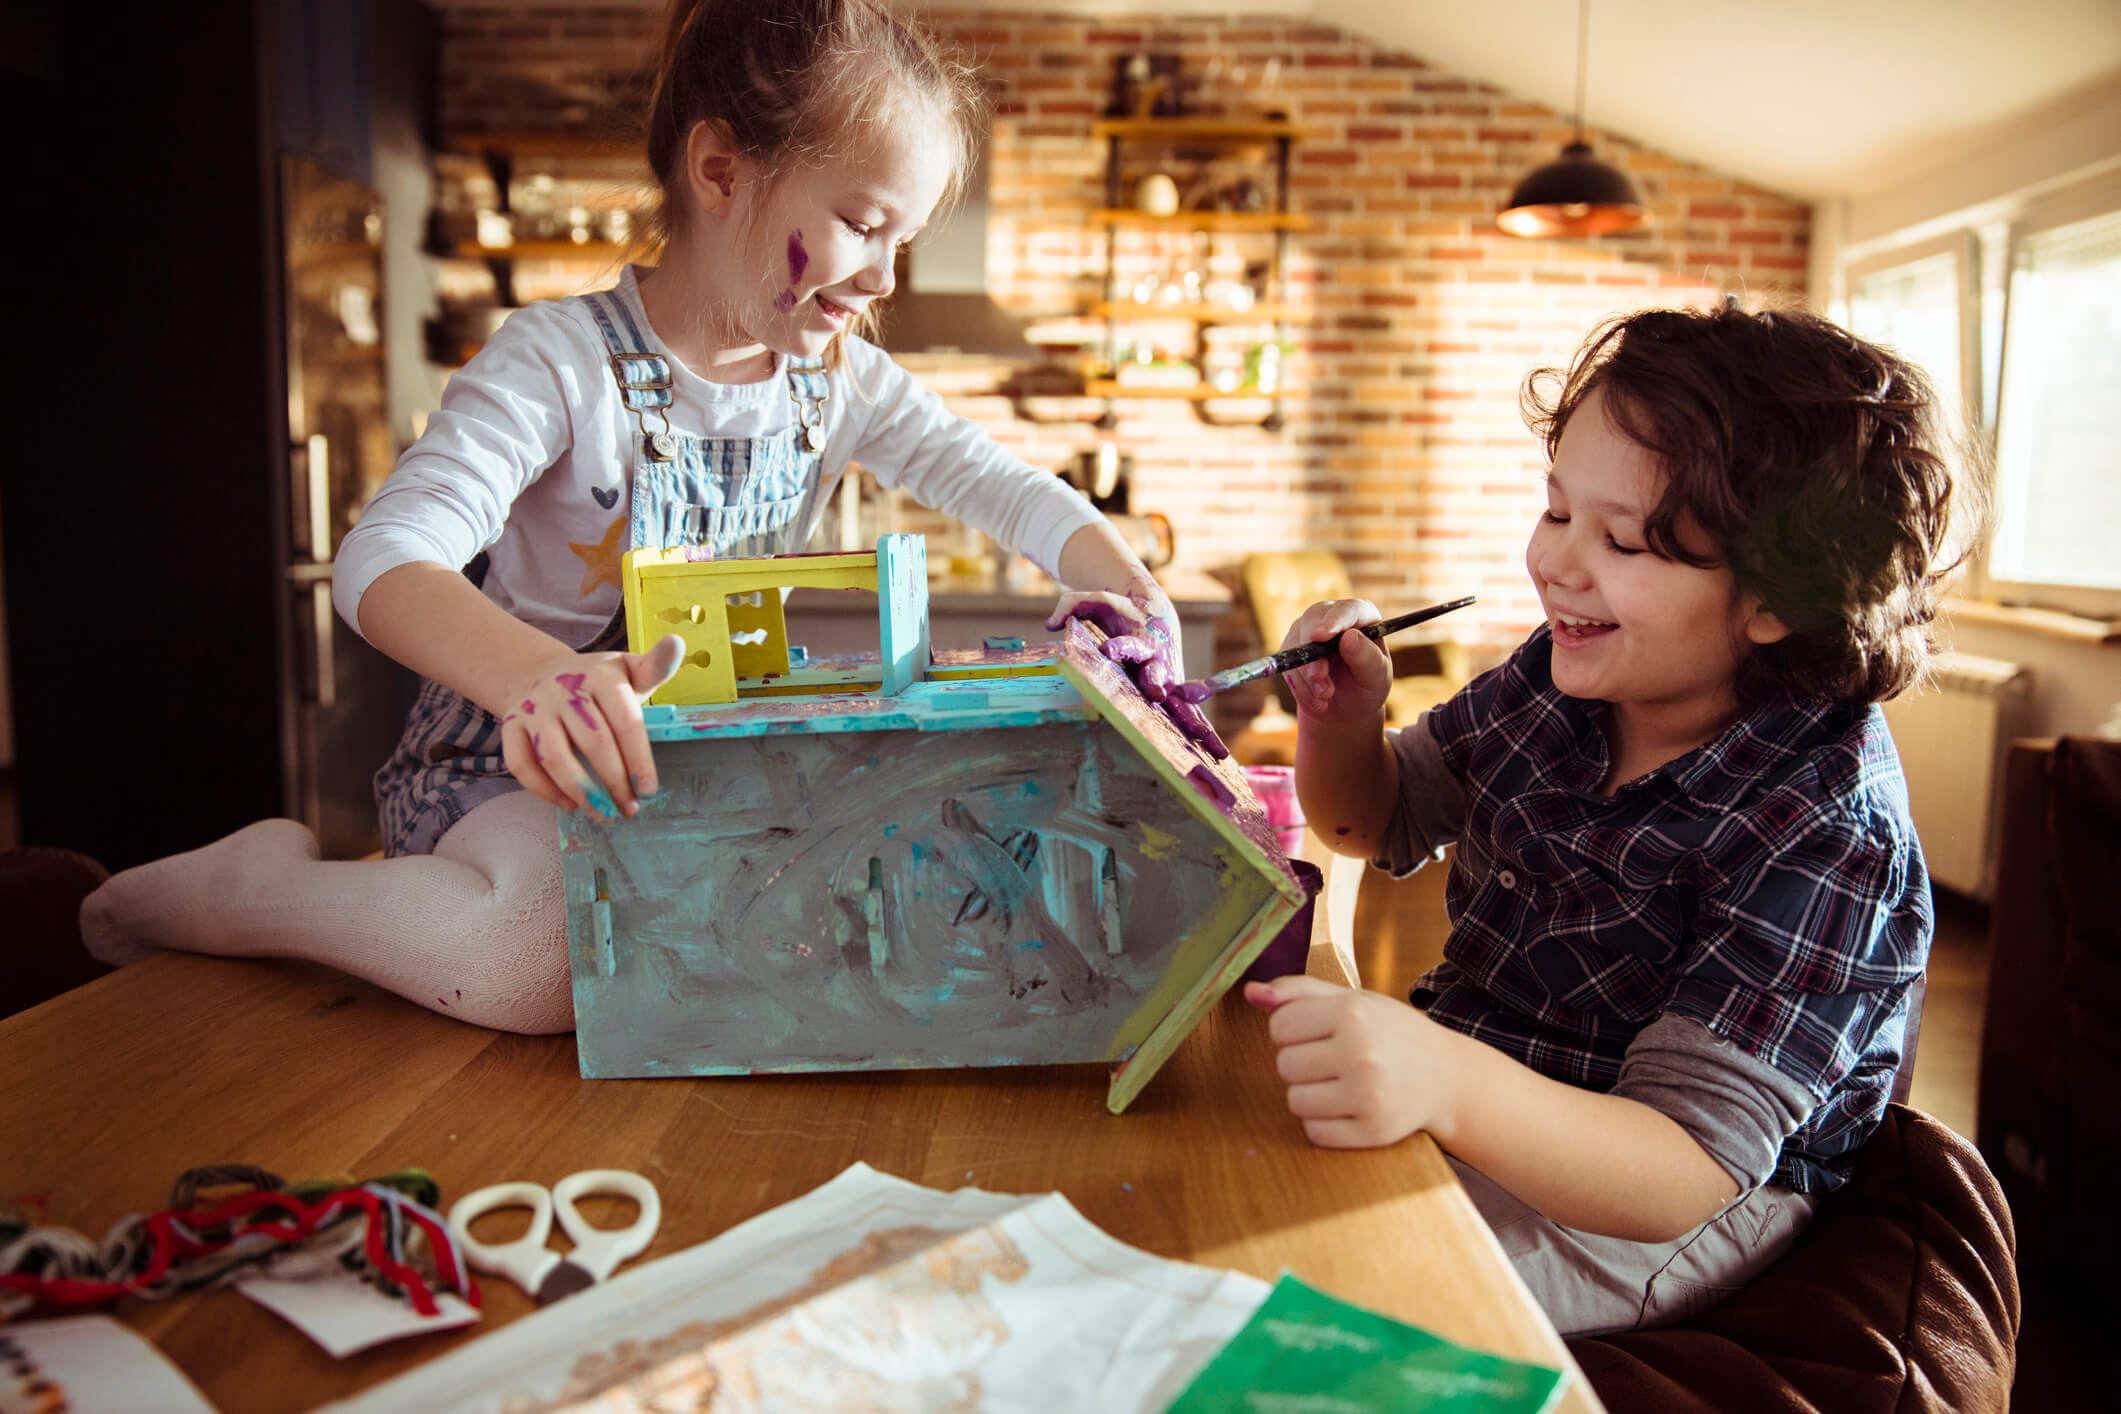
[374, 1227]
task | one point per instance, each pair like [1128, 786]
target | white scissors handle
[597, 1250]
[525, 1261]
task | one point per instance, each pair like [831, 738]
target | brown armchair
[1902, 1295]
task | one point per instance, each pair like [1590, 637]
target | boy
[1687, 902]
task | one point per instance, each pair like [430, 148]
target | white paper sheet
[343, 1314]
[96, 1363]
[870, 1292]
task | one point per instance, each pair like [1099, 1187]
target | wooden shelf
[1135, 311]
[543, 250]
[1203, 220]
[1198, 393]
[1194, 130]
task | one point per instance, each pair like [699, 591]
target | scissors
[544, 1274]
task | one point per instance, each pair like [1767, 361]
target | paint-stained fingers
[1130, 648]
[603, 782]
[1154, 677]
[1114, 614]
[635, 761]
[519, 752]
[1194, 724]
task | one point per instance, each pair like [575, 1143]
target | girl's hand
[1141, 635]
[1347, 687]
[1363, 1069]
[587, 703]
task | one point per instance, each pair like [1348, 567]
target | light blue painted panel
[902, 609]
[859, 900]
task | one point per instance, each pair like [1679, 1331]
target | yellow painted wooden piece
[705, 601]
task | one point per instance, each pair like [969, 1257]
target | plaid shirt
[1767, 885]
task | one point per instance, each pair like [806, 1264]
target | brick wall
[1409, 456]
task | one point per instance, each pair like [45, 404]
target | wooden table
[180, 1061]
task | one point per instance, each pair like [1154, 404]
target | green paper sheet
[1304, 1352]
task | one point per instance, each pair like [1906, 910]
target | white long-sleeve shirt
[531, 459]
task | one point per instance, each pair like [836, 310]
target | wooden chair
[1333, 914]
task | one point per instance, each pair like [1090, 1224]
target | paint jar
[1290, 951]
[1276, 788]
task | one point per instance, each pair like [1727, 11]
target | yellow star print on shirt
[603, 558]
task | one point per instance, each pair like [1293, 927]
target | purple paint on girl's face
[798, 262]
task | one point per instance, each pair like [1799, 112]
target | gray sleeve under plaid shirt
[1731, 938]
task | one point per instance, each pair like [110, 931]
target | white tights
[477, 930]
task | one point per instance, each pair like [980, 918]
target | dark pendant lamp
[1576, 195]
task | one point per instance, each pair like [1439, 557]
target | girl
[1687, 903]
[713, 400]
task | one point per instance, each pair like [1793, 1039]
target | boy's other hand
[1363, 1069]
[1349, 686]
[585, 708]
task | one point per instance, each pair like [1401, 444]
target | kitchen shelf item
[1182, 144]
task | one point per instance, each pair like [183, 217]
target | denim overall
[737, 496]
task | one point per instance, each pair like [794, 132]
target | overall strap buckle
[657, 381]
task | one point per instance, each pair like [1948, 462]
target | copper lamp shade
[1574, 195]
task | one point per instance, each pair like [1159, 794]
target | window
[1920, 309]
[2019, 331]
[1920, 301]
[2058, 455]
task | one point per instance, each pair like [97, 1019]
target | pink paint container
[1276, 788]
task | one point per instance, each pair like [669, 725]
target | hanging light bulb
[1575, 195]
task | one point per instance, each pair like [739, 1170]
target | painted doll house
[903, 859]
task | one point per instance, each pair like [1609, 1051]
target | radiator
[1952, 733]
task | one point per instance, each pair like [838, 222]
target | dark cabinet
[321, 83]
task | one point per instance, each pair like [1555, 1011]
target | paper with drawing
[871, 1293]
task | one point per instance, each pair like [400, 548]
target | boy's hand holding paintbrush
[1331, 658]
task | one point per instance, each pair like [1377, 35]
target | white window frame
[2081, 202]
[1965, 253]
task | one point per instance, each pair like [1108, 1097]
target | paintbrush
[1204, 688]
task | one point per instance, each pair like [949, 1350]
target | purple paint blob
[1211, 785]
[784, 301]
[571, 681]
